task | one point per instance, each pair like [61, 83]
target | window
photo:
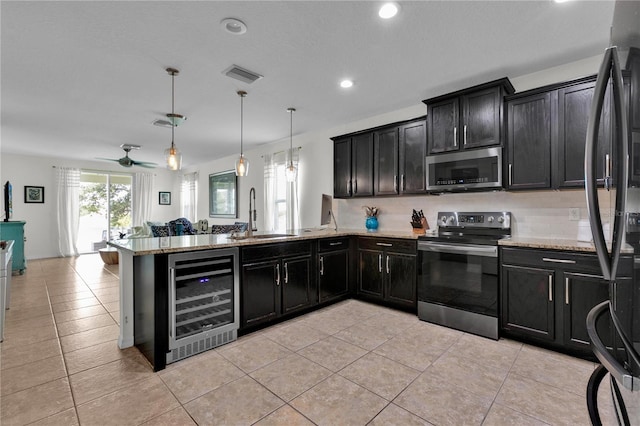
[281, 197]
[189, 196]
[105, 209]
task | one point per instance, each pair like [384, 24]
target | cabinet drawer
[393, 245]
[333, 244]
[578, 262]
[269, 251]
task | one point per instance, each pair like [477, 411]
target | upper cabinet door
[385, 144]
[413, 151]
[342, 168]
[481, 118]
[529, 142]
[443, 126]
[574, 105]
[362, 165]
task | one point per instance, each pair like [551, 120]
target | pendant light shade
[172, 154]
[242, 164]
[292, 171]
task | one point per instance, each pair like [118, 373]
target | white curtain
[141, 198]
[189, 196]
[68, 209]
[279, 194]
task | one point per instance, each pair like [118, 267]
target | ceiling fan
[128, 162]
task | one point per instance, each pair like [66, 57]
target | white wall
[41, 229]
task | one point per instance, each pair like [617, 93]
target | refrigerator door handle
[610, 67]
[616, 370]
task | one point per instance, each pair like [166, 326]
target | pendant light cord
[173, 124]
[241, 121]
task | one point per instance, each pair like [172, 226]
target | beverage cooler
[203, 301]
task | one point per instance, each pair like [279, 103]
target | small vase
[371, 224]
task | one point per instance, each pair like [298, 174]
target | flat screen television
[327, 211]
[8, 202]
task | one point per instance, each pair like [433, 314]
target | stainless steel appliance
[6, 256]
[458, 271]
[477, 169]
[204, 307]
[621, 360]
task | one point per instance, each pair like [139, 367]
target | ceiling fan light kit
[242, 164]
[172, 154]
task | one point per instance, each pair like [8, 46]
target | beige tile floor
[349, 364]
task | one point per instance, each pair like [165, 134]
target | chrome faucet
[252, 213]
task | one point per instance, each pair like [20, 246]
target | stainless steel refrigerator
[620, 358]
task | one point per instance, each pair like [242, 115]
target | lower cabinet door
[260, 294]
[370, 264]
[295, 283]
[528, 301]
[581, 293]
[401, 278]
[333, 276]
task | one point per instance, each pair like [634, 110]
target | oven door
[458, 286]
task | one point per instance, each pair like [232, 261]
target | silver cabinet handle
[510, 174]
[349, 187]
[387, 264]
[384, 244]
[286, 272]
[455, 136]
[566, 291]
[278, 274]
[380, 263]
[337, 243]
[395, 183]
[464, 134]
[321, 265]
[550, 288]
[552, 260]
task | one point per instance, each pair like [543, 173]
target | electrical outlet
[574, 214]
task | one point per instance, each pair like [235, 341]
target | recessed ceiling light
[388, 10]
[345, 84]
[233, 26]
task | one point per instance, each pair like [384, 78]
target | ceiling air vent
[241, 74]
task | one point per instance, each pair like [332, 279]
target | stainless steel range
[458, 271]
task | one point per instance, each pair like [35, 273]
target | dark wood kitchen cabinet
[386, 160]
[276, 281]
[633, 65]
[547, 127]
[387, 271]
[469, 118]
[547, 294]
[399, 159]
[333, 268]
[353, 166]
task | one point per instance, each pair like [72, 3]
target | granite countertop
[555, 244]
[157, 245]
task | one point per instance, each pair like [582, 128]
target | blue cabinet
[14, 230]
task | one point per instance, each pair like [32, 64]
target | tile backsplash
[542, 214]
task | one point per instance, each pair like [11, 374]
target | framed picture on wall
[34, 194]
[165, 198]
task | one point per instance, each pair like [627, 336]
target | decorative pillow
[148, 224]
[160, 231]
[243, 226]
[187, 227]
[226, 229]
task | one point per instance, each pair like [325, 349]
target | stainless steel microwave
[478, 169]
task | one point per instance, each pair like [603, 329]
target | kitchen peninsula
[281, 276]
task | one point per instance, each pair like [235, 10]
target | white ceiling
[80, 78]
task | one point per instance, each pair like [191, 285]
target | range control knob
[451, 219]
[501, 219]
[443, 219]
[490, 219]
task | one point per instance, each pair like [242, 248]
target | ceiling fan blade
[108, 159]
[147, 165]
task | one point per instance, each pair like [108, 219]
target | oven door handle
[486, 251]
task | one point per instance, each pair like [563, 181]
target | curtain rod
[284, 150]
[102, 171]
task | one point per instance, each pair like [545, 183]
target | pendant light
[292, 171]
[242, 164]
[172, 154]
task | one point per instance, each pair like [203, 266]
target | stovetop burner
[484, 228]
